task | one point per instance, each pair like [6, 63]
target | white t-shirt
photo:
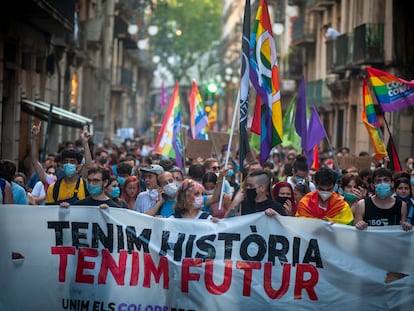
[39, 191]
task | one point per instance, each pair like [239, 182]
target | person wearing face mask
[300, 173]
[71, 187]
[324, 203]
[113, 190]
[153, 194]
[382, 209]
[254, 196]
[165, 205]
[97, 181]
[190, 202]
[352, 189]
[282, 192]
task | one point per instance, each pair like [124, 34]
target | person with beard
[282, 192]
[381, 209]
[324, 203]
[254, 196]
[96, 182]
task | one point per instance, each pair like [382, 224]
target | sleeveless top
[375, 216]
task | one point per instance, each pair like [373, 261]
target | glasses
[94, 181]
[215, 168]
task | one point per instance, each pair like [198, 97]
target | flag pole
[233, 122]
[333, 153]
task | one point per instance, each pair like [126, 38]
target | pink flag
[163, 96]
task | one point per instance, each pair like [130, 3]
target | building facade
[70, 63]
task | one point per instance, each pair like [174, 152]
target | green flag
[290, 138]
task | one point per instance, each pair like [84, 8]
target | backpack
[71, 200]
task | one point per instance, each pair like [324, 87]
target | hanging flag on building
[163, 96]
[198, 116]
[264, 75]
[392, 93]
[370, 120]
[244, 85]
[168, 142]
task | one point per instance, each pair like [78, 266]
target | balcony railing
[330, 56]
[368, 44]
[303, 33]
[123, 78]
[317, 93]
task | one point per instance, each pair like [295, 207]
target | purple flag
[300, 114]
[316, 132]
[163, 96]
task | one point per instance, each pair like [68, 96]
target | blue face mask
[335, 189]
[299, 179]
[94, 189]
[69, 169]
[230, 173]
[383, 190]
[115, 192]
[412, 180]
[121, 180]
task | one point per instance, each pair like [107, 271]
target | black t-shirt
[249, 207]
[89, 201]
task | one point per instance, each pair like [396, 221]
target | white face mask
[170, 190]
[209, 192]
[198, 202]
[153, 194]
[325, 195]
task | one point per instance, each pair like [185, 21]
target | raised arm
[34, 153]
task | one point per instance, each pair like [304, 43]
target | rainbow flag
[264, 75]
[370, 120]
[392, 93]
[168, 141]
[198, 116]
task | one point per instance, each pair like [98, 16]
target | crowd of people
[112, 176]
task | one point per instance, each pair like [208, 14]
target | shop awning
[59, 115]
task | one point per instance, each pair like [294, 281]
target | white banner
[84, 258]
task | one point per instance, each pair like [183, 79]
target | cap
[153, 169]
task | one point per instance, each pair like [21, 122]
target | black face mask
[102, 161]
[282, 200]
[251, 194]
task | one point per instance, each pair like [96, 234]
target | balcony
[368, 44]
[303, 33]
[292, 66]
[330, 56]
[317, 93]
[123, 80]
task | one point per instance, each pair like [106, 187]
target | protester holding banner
[254, 196]
[190, 201]
[130, 191]
[114, 192]
[97, 180]
[381, 209]
[153, 195]
[352, 189]
[403, 192]
[282, 192]
[169, 195]
[324, 203]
